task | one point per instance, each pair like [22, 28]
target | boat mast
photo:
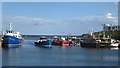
[10, 25]
[91, 31]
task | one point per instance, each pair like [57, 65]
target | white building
[110, 27]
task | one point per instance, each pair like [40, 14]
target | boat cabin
[43, 38]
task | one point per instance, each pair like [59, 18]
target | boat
[119, 45]
[44, 42]
[114, 43]
[11, 38]
[104, 42]
[56, 41]
[75, 42]
[87, 42]
[108, 42]
[65, 42]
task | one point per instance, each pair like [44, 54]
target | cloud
[93, 21]
[26, 20]
[107, 18]
[99, 19]
[31, 20]
[73, 25]
[110, 16]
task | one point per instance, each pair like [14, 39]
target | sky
[58, 18]
[0, 17]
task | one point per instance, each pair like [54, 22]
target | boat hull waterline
[47, 43]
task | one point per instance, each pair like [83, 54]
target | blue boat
[44, 42]
[11, 38]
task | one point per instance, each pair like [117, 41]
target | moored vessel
[11, 38]
[87, 42]
[43, 42]
[56, 41]
[65, 41]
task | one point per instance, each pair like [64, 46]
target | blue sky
[73, 18]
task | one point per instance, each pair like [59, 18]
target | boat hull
[119, 45]
[47, 43]
[83, 44]
[114, 44]
[87, 42]
[103, 44]
[57, 43]
[65, 43]
[9, 41]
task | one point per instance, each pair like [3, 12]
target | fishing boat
[65, 42]
[74, 42]
[56, 41]
[43, 42]
[104, 42]
[87, 42]
[11, 38]
[107, 42]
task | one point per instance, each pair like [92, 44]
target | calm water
[30, 55]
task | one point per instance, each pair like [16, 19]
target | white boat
[114, 43]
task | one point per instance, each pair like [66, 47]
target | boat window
[11, 31]
[7, 31]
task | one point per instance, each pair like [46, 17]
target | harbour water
[30, 55]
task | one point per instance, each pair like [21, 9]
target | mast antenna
[10, 26]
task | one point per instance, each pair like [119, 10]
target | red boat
[65, 43]
[58, 43]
